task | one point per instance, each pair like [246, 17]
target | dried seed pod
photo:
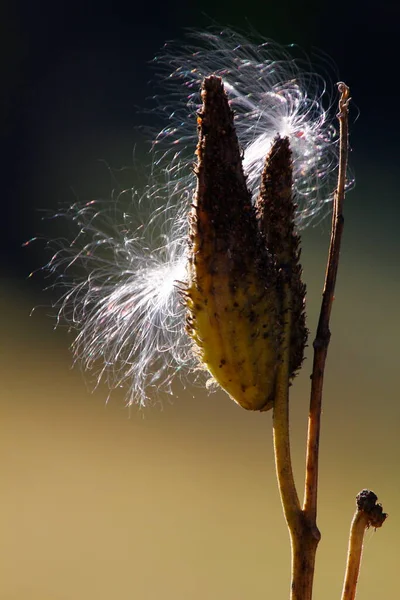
[276, 216]
[232, 296]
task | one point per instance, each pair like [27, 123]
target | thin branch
[323, 335]
[357, 530]
[368, 514]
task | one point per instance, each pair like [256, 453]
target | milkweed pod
[232, 296]
[276, 219]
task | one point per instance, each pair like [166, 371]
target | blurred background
[180, 500]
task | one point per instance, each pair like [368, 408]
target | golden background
[179, 500]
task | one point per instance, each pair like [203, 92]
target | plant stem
[283, 461]
[358, 526]
[368, 514]
[303, 540]
[304, 548]
[304, 534]
[323, 335]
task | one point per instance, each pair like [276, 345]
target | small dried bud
[367, 503]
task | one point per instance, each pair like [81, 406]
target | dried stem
[302, 526]
[357, 530]
[368, 514]
[323, 335]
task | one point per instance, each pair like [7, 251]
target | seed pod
[232, 296]
[275, 212]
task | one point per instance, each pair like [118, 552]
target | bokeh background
[179, 501]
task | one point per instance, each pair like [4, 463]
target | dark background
[101, 501]
[76, 80]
